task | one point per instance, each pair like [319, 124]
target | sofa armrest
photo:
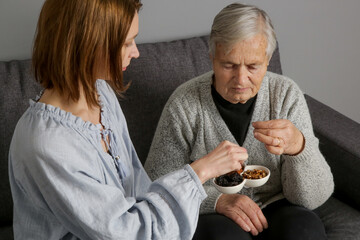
[339, 138]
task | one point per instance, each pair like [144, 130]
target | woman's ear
[268, 60]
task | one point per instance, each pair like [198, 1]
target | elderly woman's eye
[228, 66]
[253, 67]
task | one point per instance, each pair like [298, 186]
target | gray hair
[238, 22]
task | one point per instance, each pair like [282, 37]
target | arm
[172, 147]
[178, 140]
[73, 189]
[306, 177]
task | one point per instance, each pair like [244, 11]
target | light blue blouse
[64, 186]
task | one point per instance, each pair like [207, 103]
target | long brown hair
[73, 37]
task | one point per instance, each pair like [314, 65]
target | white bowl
[229, 190]
[256, 182]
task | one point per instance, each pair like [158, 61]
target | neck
[79, 108]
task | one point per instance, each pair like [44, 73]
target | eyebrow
[234, 63]
[227, 62]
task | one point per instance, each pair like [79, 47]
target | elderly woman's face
[239, 74]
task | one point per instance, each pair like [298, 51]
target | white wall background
[319, 40]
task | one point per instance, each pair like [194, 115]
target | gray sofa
[160, 68]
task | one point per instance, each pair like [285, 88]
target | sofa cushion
[161, 68]
[341, 221]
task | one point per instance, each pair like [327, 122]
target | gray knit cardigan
[191, 126]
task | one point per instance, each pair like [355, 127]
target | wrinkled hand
[243, 211]
[226, 157]
[280, 136]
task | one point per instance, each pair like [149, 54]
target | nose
[135, 52]
[241, 75]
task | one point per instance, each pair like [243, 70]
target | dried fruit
[229, 179]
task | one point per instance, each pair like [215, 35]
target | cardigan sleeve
[174, 143]
[170, 148]
[306, 178]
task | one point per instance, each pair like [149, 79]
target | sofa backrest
[17, 87]
[160, 68]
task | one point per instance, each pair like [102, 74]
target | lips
[240, 89]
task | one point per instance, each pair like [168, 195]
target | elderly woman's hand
[280, 136]
[243, 211]
[226, 157]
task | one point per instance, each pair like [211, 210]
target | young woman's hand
[226, 157]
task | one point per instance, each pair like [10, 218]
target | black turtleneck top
[236, 116]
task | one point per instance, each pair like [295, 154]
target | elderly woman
[73, 170]
[265, 113]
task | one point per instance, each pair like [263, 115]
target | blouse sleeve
[66, 181]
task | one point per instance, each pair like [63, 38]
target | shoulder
[280, 81]
[40, 140]
[285, 98]
[280, 86]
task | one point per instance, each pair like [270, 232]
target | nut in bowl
[255, 175]
[229, 183]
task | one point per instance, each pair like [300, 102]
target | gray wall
[318, 39]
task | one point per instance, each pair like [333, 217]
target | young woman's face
[129, 50]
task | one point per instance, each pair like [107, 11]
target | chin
[240, 100]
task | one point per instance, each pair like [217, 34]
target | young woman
[73, 170]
